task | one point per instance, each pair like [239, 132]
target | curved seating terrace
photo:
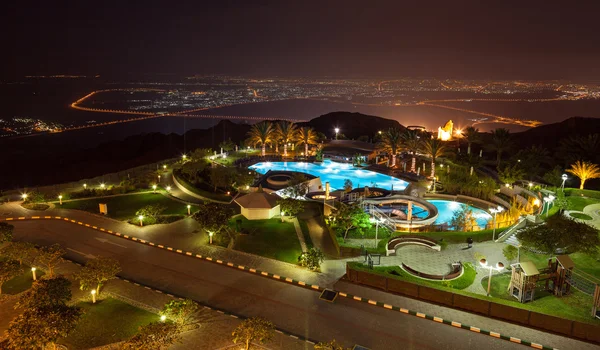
[410, 239]
[457, 269]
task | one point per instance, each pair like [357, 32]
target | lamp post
[168, 188]
[499, 266]
[163, 318]
[141, 217]
[337, 130]
[282, 215]
[85, 186]
[564, 178]
[24, 196]
[153, 188]
[189, 209]
[210, 234]
[33, 273]
[377, 221]
[184, 157]
[495, 211]
[247, 150]
[547, 201]
[158, 178]
[102, 185]
[164, 167]
[60, 199]
[93, 296]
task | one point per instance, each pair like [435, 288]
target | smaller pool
[447, 209]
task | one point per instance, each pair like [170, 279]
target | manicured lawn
[305, 233]
[467, 278]
[106, 322]
[578, 203]
[581, 216]
[269, 238]
[124, 207]
[22, 282]
[575, 306]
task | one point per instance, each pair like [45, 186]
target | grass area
[585, 193]
[382, 232]
[462, 282]
[106, 322]
[575, 306]
[580, 216]
[305, 233]
[269, 238]
[124, 207]
[201, 191]
[22, 282]
[381, 245]
[578, 203]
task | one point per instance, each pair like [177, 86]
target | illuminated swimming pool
[335, 174]
[446, 210]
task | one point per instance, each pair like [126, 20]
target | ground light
[60, 199]
[93, 296]
[495, 211]
[85, 186]
[158, 178]
[210, 234]
[33, 273]
[168, 188]
[154, 188]
[102, 185]
[163, 318]
[165, 167]
[189, 209]
[282, 215]
[141, 217]
[499, 266]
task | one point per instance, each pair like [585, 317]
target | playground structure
[523, 280]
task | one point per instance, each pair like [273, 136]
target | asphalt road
[291, 308]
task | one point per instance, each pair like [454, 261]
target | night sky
[476, 39]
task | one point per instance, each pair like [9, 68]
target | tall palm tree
[261, 133]
[434, 148]
[584, 171]
[501, 141]
[306, 136]
[286, 133]
[391, 141]
[472, 136]
[411, 141]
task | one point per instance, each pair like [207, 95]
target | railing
[511, 230]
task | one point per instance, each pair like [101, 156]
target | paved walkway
[299, 233]
[593, 210]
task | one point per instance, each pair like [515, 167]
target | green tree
[6, 232]
[46, 293]
[434, 149]
[151, 211]
[509, 174]
[97, 272]
[253, 329]
[348, 185]
[501, 142]
[306, 136]
[262, 133]
[48, 257]
[510, 252]
[332, 345]
[193, 168]
[412, 142]
[286, 133]
[38, 328]
[155, 335]
[531, 160]
[463, 219]
[311, 259]
[34, 197]
[222, 177]
[472, 136]
[560, 232]
[213, 216]
[584, 171]
[291, 207]
[227, 145]
[391, 141]
[554, 176]
[181, 312]
[348, 217]
[20, 251]
[8, 270]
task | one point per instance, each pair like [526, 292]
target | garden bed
[269, 238]
[35, 206]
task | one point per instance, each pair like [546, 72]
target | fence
[574, 329]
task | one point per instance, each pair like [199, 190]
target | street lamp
[184, 157]
[154, 188]
[530, 185]
[189, 208]
[85, 186]
[141, 217]
[337, 130]
[495, 211]
[158, 178]
[377, 221]
[93, 296]
[564, 178]
[24, 196]
[164, 167]
[33, 273]
[247, 150]
[499, 266]
[547, 201]
[60, 199]
[102, 185]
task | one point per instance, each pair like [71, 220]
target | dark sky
[476, 39]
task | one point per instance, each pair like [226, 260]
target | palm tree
[434, 148]
[410, 141]
[584, 171]
[261, 133]
[306, 136]
[286, 132]
[501, 141]
[472, 136]
[391, 142]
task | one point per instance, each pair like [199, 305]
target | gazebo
[259, 205]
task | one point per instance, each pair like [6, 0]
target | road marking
[85, 255]
[35, 217]
[515, 340]
[106, 241]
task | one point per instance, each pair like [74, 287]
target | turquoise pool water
[446, 210]
[335, 174]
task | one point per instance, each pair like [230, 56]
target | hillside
[550, 135]
[353, 125]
